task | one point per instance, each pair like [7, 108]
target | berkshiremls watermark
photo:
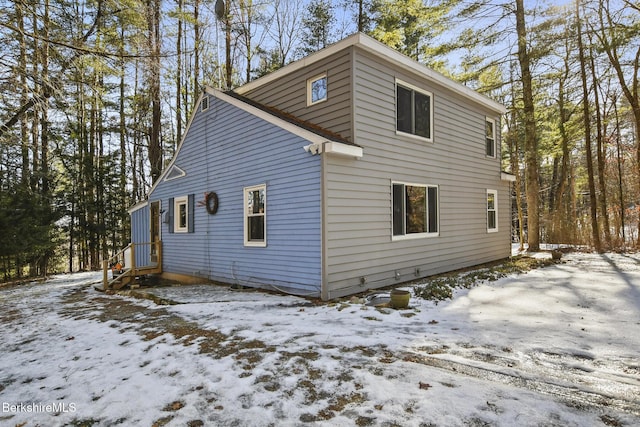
[38, 407]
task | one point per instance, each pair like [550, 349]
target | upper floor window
[414, 111]
[255, 212]
[492, 211]
[490, 137]
[317, 89]
[205, 103]
[415, 210]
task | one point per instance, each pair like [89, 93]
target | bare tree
[619, 38]
[530, 137]
[587, 133]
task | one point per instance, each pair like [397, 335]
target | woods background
[95, 96]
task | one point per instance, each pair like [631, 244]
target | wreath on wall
[211, 203]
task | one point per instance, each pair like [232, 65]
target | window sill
[320, 101]
[414, 137]
[414, 236]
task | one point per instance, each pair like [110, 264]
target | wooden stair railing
[128, 274]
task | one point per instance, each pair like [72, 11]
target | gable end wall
[359, 245]
[290, 94]
[225, 150]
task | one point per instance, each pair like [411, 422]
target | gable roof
[327, 141]
[381, 51]
[290, 118]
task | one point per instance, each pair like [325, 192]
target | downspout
[325, 292]
[324, 284]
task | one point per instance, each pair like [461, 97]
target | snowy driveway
[558, 346]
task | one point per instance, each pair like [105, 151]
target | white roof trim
[506, 176]
[341, 149]
[382, 51]
[168, 168]
[290, 127]
[268, 117]
[137, 206]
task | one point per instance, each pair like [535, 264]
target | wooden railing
[134, 260]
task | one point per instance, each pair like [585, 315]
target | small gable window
[317, 89]
[414, 111]
[205, 103]
[490, 137]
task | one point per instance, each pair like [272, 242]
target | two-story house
[351, 169]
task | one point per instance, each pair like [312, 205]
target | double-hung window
[414, 111]
[490, 137]
[492, 211]
[255, 213]
[180, 217]
[415, 210]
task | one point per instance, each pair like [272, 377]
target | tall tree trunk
[514, 149]
[515, 167]
[179, 74]
[155, 143]
[247, 19]
[101, 172]
[135, 181]
[24, 124]
[92, 176]
[83, 181]
[620, 186]
[600, 148]
[45, 192]
[227, 43]
[197, 42]
[561, 215]
[530, 138]
[122, 182]
[608, 36]
[587, 134]
[35, 124]
[24, 94]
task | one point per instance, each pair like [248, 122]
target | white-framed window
[255, 214]
[414, 210]
[174, 173]
[181, 214]
[490, 137]
[317, 89]
[204, 106]
[492, 211]
[414, 111]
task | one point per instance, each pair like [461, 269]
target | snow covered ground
[558, 346]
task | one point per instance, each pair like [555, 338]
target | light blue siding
[225, 150]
